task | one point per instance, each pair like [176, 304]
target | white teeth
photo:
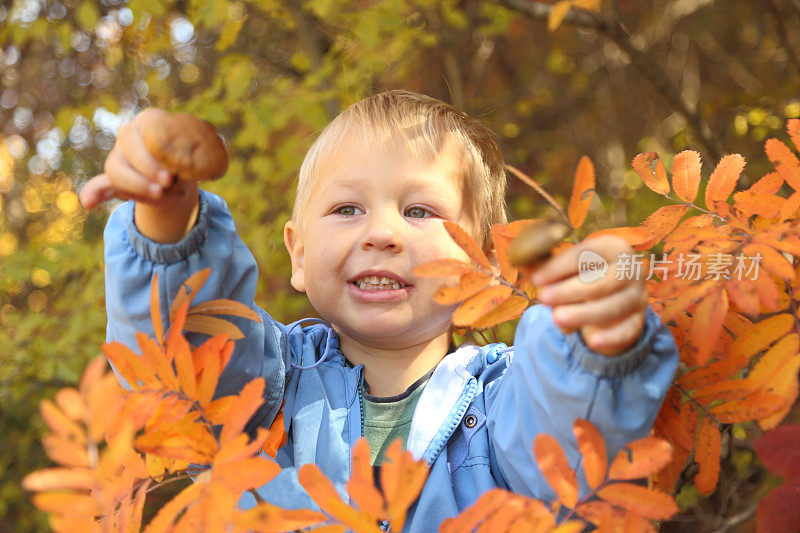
[375, 283]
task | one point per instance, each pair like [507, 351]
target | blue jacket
[476, 419]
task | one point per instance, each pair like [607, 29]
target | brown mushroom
[535, 243]
[188, 147]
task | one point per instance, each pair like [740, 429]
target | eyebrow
[352, 185]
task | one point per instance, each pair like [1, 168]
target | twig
[614, 32]
[782, 33]
[524, 178]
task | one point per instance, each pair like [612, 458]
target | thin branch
[538, 188]
[646, 66]
[780, 21]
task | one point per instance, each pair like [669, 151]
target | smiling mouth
[375, 283]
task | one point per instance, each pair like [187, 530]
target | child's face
[377, 213]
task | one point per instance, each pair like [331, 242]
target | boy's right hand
[131, 172]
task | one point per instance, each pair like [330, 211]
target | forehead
[388, 160]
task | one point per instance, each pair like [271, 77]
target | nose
[383, 232]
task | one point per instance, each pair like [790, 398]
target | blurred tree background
[638, 75]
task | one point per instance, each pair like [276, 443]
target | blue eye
[416, 212]
[347, 210]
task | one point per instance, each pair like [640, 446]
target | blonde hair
[423, 124]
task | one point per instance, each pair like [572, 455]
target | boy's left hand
[609, 312]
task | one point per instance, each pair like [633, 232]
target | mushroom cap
[535, 243]
[187, 146]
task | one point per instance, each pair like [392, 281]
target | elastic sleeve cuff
[620, 365]
[173, 252]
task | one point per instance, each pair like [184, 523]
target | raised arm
[555, 378]
[174, 230]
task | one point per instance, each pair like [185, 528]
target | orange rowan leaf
[554, 466]
[640, 458]
[744, 295]
[276, 435]
[790, 207]
[155, 310]
[582, 192]
[60, 424]
[72, 503]
[324, 494]
[219, 345]
[732, 389]
[686, 174]
[178, 350]
[212, 326]
[760, 336]
[712, 373]
[557, 14]
[244, 406]
[155, 357]
[723, 180]
[501, 243]
[707, 323]
[648, 503]
[402, 479]
[130, 366]
[777, 372]
[224, 306]
[686, 298]
[66, 452]
[478, 306]
[470, 283]
[663, 220]
[598, 512]
[651, 169]
[786, 242]
[638, 237]
[515, 227]
[768, 293]
[758, 405]
[268, 518]
[245, 474]
[59, 479]
[768, 184]
[636, 524]
[467, 243]
[771, 259]
[509, 309]
[786, 163]
[188, 291]
[487, 504]
[774, 359]
[757, 203]
[707, 455]
[361, 485]
[593, 452]
[677, 421]
[442, 268]
[209, 378]
[71, 403]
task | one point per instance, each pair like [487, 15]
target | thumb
[96, 190]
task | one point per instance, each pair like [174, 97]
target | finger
[95, 191]
[613, 339]
[611, 308]
[127, 180]
[602, 249]
[574, 289]
[131, 143]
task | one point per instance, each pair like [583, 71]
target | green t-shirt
[388, 418]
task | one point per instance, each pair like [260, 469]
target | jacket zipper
[361, 399]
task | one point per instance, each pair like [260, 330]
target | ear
[293, 240]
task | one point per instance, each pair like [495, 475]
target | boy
[373, 191]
